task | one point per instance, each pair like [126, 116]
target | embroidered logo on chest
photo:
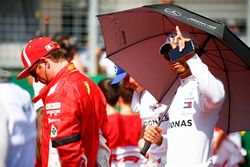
[188, 104]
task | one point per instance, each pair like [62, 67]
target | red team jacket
[75, 111]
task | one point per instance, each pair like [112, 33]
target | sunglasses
[32, 71]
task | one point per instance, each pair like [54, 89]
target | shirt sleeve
[211, 89]
[4, 135]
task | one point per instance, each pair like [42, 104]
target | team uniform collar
[69, 68]
[185, 80]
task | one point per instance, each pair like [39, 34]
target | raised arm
[211, 89]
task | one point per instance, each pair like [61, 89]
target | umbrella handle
[145, 148]
[147, 144]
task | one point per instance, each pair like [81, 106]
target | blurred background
[22, 20]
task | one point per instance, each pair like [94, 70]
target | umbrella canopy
[133, 38]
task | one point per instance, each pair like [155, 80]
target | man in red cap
[74, 117]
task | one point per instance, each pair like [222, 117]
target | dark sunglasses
[32, 71]
[33, 74]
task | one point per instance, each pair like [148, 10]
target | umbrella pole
[147, 144]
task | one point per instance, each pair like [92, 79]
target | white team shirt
[192, 117]
[150, 113]
[20, 118]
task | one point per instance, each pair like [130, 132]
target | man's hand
[178, 40]
[185, 48]
[153, 134]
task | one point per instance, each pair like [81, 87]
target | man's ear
[46, 62]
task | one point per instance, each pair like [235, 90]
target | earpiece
[46, 64]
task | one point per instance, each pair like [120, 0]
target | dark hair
[64, 41]
[109, 91]
[57, 55]
[126, 94]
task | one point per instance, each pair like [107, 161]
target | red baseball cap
[33, 51]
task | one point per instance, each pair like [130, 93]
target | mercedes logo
[172, 12]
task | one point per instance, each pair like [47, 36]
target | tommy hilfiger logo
[188, 104]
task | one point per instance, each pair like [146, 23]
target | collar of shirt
[65, 71]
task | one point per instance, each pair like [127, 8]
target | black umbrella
[133, 38]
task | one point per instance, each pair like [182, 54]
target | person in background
[150, 113]
[233, 27]
[125, 100]
[226, 153]
[84, 55]
[245, 136]
[74, 117]
[194, 110]
[168, 2]
[105, 66]
[69, 46]
[110, 93]
[124, 130]
[17, 124]
[132, 126]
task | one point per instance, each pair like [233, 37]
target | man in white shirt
[193, 112]
[17, 125]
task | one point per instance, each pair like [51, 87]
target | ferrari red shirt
[75, 113]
